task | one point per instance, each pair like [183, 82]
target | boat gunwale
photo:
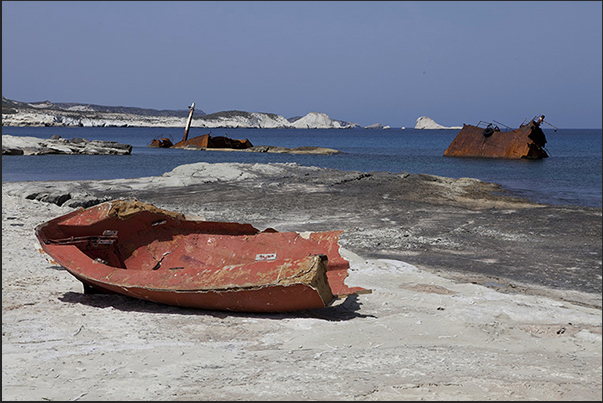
[77, 262]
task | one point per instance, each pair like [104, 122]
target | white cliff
[70, 118]
[16, 113]
[317, 120]
[427, 123]
[239, 119]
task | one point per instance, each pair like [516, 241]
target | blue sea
[571, 176]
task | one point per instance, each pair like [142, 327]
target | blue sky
[365, 62]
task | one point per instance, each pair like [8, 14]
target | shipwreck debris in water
[200, 142]
[161, 142]
[489, 141]
[209, 141]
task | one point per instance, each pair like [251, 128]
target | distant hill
[10, 106]
[294, 119]
[235, 114]
[46, 113]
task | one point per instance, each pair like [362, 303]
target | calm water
[572, 175]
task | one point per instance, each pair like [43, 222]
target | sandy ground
[421, 334]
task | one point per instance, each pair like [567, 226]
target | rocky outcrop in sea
[317, 120]
[427, 123]
[23, 145]
[376, 126]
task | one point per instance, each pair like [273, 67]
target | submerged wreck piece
[161, 142]
[136, 249]
[209, 141]
[490, 142]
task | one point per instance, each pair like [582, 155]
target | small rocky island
[23, 145]
[427, 123]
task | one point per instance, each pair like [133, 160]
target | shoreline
[554, 187]
[447, 225]
[474, 294]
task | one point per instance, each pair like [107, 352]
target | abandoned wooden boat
[136, 249]
[490, 142]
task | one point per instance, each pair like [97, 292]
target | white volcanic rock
[317, 120]
[24, 145]
[243, 120]
[375, 126]
[80, 108]
[258, 120]
[425, 122]
[71, 118]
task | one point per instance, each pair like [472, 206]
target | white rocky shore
[418, 336]
[427, 123]
[24, 145]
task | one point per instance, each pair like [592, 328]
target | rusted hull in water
[136, 249]
[527, 141]
[163, 142]
[208, 141]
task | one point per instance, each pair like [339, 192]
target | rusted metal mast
[188, 122]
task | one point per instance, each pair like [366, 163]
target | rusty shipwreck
[200, 142]
[136, 249]
[489, 141]
[161, 142]
[209, 141]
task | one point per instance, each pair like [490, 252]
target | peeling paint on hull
[139, 250]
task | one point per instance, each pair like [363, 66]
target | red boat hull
[136, 249]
